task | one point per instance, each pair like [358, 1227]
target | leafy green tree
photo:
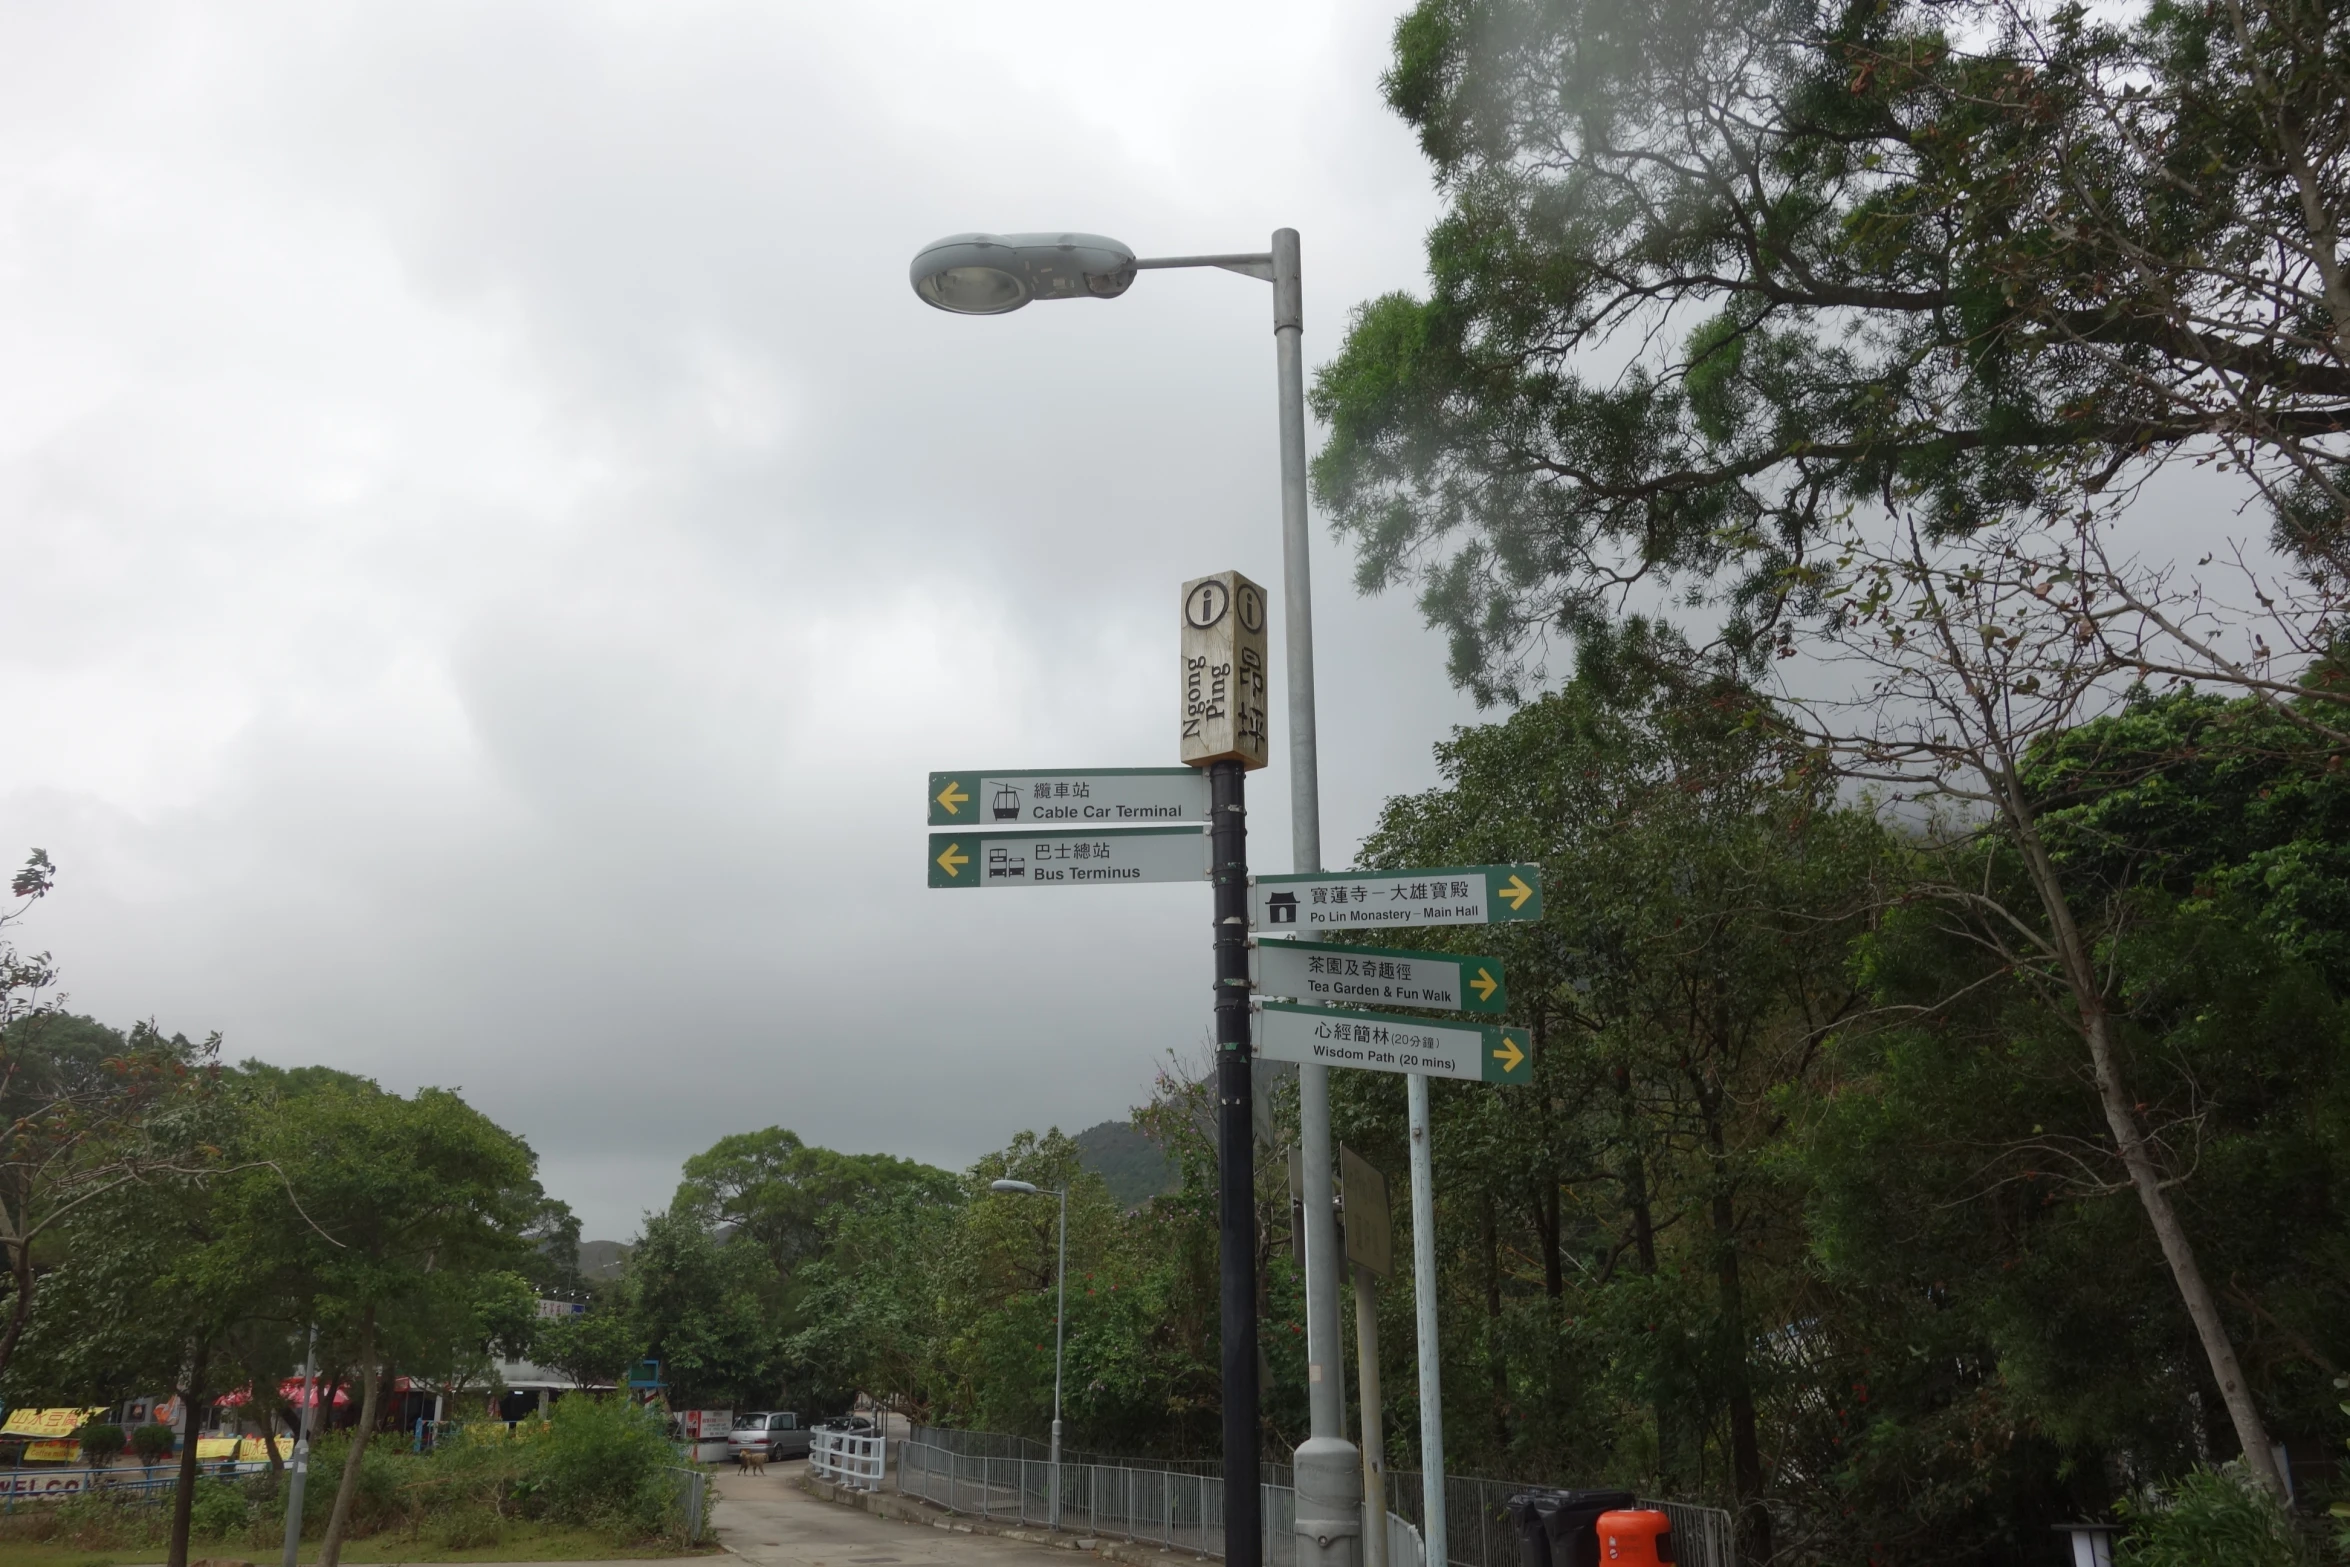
[595, 1346]
[699, 1306]
[775, 1189]
[1632, 1245]
[1712, 274]
[396, 1206]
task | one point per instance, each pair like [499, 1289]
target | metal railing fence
[849, 1458]
[1179, 1503]
[693, 1490]
[134, 1484]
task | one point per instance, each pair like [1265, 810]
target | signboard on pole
[1370, 1239]
[1223, 708]
[1377, 976]
[1068, 859]
[1069, 797]
[1365, 900]
[1386, 1042]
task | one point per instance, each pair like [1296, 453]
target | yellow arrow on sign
[951, 859]
[1517, 892]
[1509, 1055]
[952, 797]
[1485, 985]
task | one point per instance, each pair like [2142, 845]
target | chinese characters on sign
[1353, 900]
[1378, 976]
[1100, 797]
[1067, 859]
[1383, 1042]
[1225, 690]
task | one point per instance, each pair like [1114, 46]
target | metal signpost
[1378, 976]
[1370, 1253]
[1018, 828]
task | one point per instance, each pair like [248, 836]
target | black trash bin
[1530, 1511]
[1572, 1524]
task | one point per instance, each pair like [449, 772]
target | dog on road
[751, 1460]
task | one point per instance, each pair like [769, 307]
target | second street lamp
[993, 274]
[1060, 1319]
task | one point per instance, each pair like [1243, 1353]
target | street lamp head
[1024, 1188]
[989, 274]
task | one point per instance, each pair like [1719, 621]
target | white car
[772, 1434]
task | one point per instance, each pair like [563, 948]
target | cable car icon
[1006, 804]
[1281, 909]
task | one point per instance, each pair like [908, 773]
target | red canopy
[290, 1390]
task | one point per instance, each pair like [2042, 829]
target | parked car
[774, 1434]
[847, 1425]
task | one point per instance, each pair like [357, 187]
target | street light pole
[301, 1473]
[1060, 1320]
[1060, 1327]
[990, 274]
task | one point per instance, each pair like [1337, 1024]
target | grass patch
[519, 1543]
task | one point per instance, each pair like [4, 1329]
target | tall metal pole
[1329, 1481]
[1424, 1296]
[1060, 1327]
[1374, 1443]
[1236, 1195]
[301, 1449]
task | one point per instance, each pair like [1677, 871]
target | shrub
[603, 1463]
[101, 1443]
[2211, 1516]
[152, 1443]
[218, 1511]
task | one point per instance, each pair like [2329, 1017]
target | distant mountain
[600, 1261]
[1129, 1163]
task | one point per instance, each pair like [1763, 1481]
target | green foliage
[1710, 275]
[2209, 1517]
[220, 1510]
[102, 1442]
[596, 1346]
[604, 1462]
[152, 1442]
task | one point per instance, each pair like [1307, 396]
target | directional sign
[1385, 1042]
[1068, 859]
[1097, 797]
[1360, 900]
[1377, 976]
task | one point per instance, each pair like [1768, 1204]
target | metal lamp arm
[1256, 264]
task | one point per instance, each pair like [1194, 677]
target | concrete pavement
[769, 1520]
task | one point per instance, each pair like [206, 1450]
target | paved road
[769, 1520]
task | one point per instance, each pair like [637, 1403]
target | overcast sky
[495, 545]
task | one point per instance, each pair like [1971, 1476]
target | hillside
[1129, 1163]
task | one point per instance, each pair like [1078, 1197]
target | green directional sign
[1385, 1042]
[1377, 976]
[1069, 797]
[1067, 859]
[1370, 900]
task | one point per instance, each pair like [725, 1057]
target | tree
[1714, 272]
[167, 1234]
[595, 1346]
[396, 1206]
[1976, 658]
[1702, 890]
[74, 1097]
